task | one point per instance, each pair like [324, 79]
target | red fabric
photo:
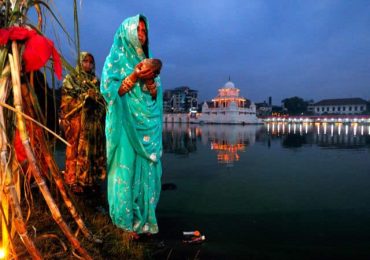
[38, 48]
[20, 152]
[4, 36]
[20, 33]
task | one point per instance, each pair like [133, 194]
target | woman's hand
[144, 73]
[152, 87]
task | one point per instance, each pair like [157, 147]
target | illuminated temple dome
[228, 107]
[229, 84]
[229, 95]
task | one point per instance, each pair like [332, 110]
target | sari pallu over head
[76, 84]
[135, 111]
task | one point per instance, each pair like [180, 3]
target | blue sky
[314, 49]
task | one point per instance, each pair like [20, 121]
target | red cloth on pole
[38, 49]
[20, 152]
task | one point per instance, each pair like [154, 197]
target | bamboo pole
[15, 72]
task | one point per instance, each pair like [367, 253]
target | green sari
[82, 119]
[134, 136]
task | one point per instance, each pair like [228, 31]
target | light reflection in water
[280, 179]
[228, 142]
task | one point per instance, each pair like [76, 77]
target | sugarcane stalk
[34, 121]
[15, 72]
[11, 195]
[39, 15]
[74, 109]
[4, 221]
[9, 190]
[3, 157]
[30, 106]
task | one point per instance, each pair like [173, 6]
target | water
[267, 192]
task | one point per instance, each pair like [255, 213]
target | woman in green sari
[133, 129]
[82, 119]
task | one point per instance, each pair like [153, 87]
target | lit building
[228, 108]
[343, 106]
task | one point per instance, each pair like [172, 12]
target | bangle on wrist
[128, 81]
[126, 85]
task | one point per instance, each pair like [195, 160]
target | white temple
[228, 108]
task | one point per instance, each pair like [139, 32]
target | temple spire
[229, 78]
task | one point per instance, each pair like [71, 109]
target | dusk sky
[314, 49]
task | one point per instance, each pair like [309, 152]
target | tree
[295, 105]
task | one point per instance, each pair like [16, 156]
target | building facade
[180, 100]
[228, 107]
[344, 106]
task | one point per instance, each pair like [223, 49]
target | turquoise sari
[134, 136]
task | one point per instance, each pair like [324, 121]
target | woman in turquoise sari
[133, 129]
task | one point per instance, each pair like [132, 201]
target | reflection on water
[324, 135]
[226, 141]
[229, 141]
[295, 191]
[180, 138]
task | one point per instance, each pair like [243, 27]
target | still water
[277, 191]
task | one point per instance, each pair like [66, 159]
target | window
[338, 108]
[355, 108]
[350, 108]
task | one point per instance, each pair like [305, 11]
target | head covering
[135, 111]
[134, 135]
[83, 55]
[79, 82]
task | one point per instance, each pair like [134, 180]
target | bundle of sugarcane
[15, 37]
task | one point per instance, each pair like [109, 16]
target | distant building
[310, 107]
[180, 100]
[263, 109]
[228, 107]
[343, 106]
